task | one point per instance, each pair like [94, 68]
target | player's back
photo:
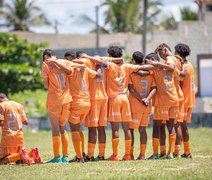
[58, 90]
[188, 86]
[117, 77]
[13, 116]
[142, 85]
[79, 83]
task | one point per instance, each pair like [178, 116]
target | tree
[126, 15]
[19, 64]
[188, 15]
[168, 23]
[21, 14]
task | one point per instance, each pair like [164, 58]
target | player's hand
[81, 67]
[145, 101]
[150, 61]
[51, 60]
[83, 55]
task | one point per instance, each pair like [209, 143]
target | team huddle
[93, 90]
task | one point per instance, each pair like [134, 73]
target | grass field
[200, 167]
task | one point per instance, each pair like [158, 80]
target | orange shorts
[119, 109]
[187, 115]
[165, 113]
[6, 151]
[62, 112]
[97, 115]
[79, 110]
[180, 112]
[139, 119]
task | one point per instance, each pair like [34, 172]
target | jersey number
[144, 88]
[16, 119]
[168, 82]
[61, 80]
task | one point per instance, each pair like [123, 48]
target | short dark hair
[161, 46]
[2, 96]
[138, 57]
[48, 52]
[78, 53]
[70, 53]
[152, 56]
[115, 51]
[182, 49]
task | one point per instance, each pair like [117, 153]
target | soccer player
[12, 116]
[118, 104]
[142, 89]
[165, 99]
[188, 88]
[58, 102]
[80, 106]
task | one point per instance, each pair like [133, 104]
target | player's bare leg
[132, 144]
[172, 138]
[91, 143]
[102, 142]
[143, 142]
[163, 140]
[178, 142]
[65, 143]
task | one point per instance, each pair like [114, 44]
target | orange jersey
[13, 115]
[177, 79]
[58, 90]
[96, 85]
[117, 77]
[166, 94]
[79, 82]
[142, 85]
[188, 86]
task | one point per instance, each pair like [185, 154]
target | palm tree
[188, 15]
[21, 14]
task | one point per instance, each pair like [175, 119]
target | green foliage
[20, 64]
[188, 15]
[21, 14]
[34, 102]
[169, 23]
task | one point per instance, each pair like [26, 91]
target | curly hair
[138, 57]
[115, 51]
[182, 49]
[70, 53]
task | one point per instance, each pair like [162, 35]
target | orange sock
[65, 139]
[155, 144]
[102, 149]
[163, 149]
[13, 157]
[82, 140]
[128, 146]
[132, 151]
[76, 139]
[142, 149]
[177, 149]
[172, 139]
[91, 148]
[56, 145]
[187, 149]
[115, 146]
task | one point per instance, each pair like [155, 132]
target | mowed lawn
[200, 167]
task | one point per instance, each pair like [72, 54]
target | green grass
[200, 167]
[34, 102]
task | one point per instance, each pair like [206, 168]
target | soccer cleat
[153, 157]
[25, 157]
[169, 156]
[84, 156]
[90, 159]
[36, 155]
[162, 156]
[113, 157]
[132, 157]
[65, 159]
[19, 162]
[177, 156]
[189, 156]
[127, 157]
[76, 159]
[55, 160]
[100, 158]
[141, 157]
